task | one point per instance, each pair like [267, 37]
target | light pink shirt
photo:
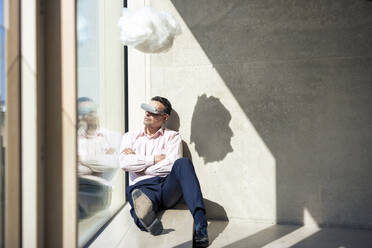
[141, 165]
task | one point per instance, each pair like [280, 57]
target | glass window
[100, 114]
[2, 120]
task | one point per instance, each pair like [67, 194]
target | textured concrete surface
[178, 225]
[122, 232]
[240, 233]
[274, 103]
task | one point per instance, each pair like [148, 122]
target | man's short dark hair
[84, 99]
[165, 102]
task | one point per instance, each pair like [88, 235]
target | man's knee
[183, 163]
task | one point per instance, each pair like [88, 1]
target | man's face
[155, 120]
[88, 113]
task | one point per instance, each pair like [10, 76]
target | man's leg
[144, 200]
[183, 180]
[132, 212]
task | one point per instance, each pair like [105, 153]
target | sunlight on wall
[308, 219]
[243, 182]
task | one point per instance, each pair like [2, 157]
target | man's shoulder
[171, 132]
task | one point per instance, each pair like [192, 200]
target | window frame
[12, 213]
[41, 183]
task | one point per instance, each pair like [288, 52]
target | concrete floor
[243, 234]
[239, 233]
[122, 232]
[235, 233]
[178, 225]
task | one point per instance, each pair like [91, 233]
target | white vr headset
[151, 109]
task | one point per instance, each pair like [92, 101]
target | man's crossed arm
[158, 165]
[157, 158]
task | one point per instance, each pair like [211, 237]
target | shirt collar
[158, 133]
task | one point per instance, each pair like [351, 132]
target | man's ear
[166, 117]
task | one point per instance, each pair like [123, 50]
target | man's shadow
[173, 123]
[217, 218]
[210, 130]
[216, 214]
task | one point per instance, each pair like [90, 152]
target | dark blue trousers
[165, 192]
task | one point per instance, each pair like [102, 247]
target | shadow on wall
[173, 123]
[216, 214]
[210, 130]
[301, 73]
[217, 217]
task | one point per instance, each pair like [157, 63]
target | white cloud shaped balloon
[148, 30]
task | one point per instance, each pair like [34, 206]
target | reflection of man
[97, 160]
[159, 177]
[98, 148]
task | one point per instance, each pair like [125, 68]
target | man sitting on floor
[158, 175]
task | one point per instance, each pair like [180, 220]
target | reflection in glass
[98, 151]
[2, 120]
[100, 114]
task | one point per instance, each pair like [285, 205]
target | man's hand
[128, 151]
[159, 158]
[111, 150]
[141, 173]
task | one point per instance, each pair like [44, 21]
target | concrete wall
[274, 102]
